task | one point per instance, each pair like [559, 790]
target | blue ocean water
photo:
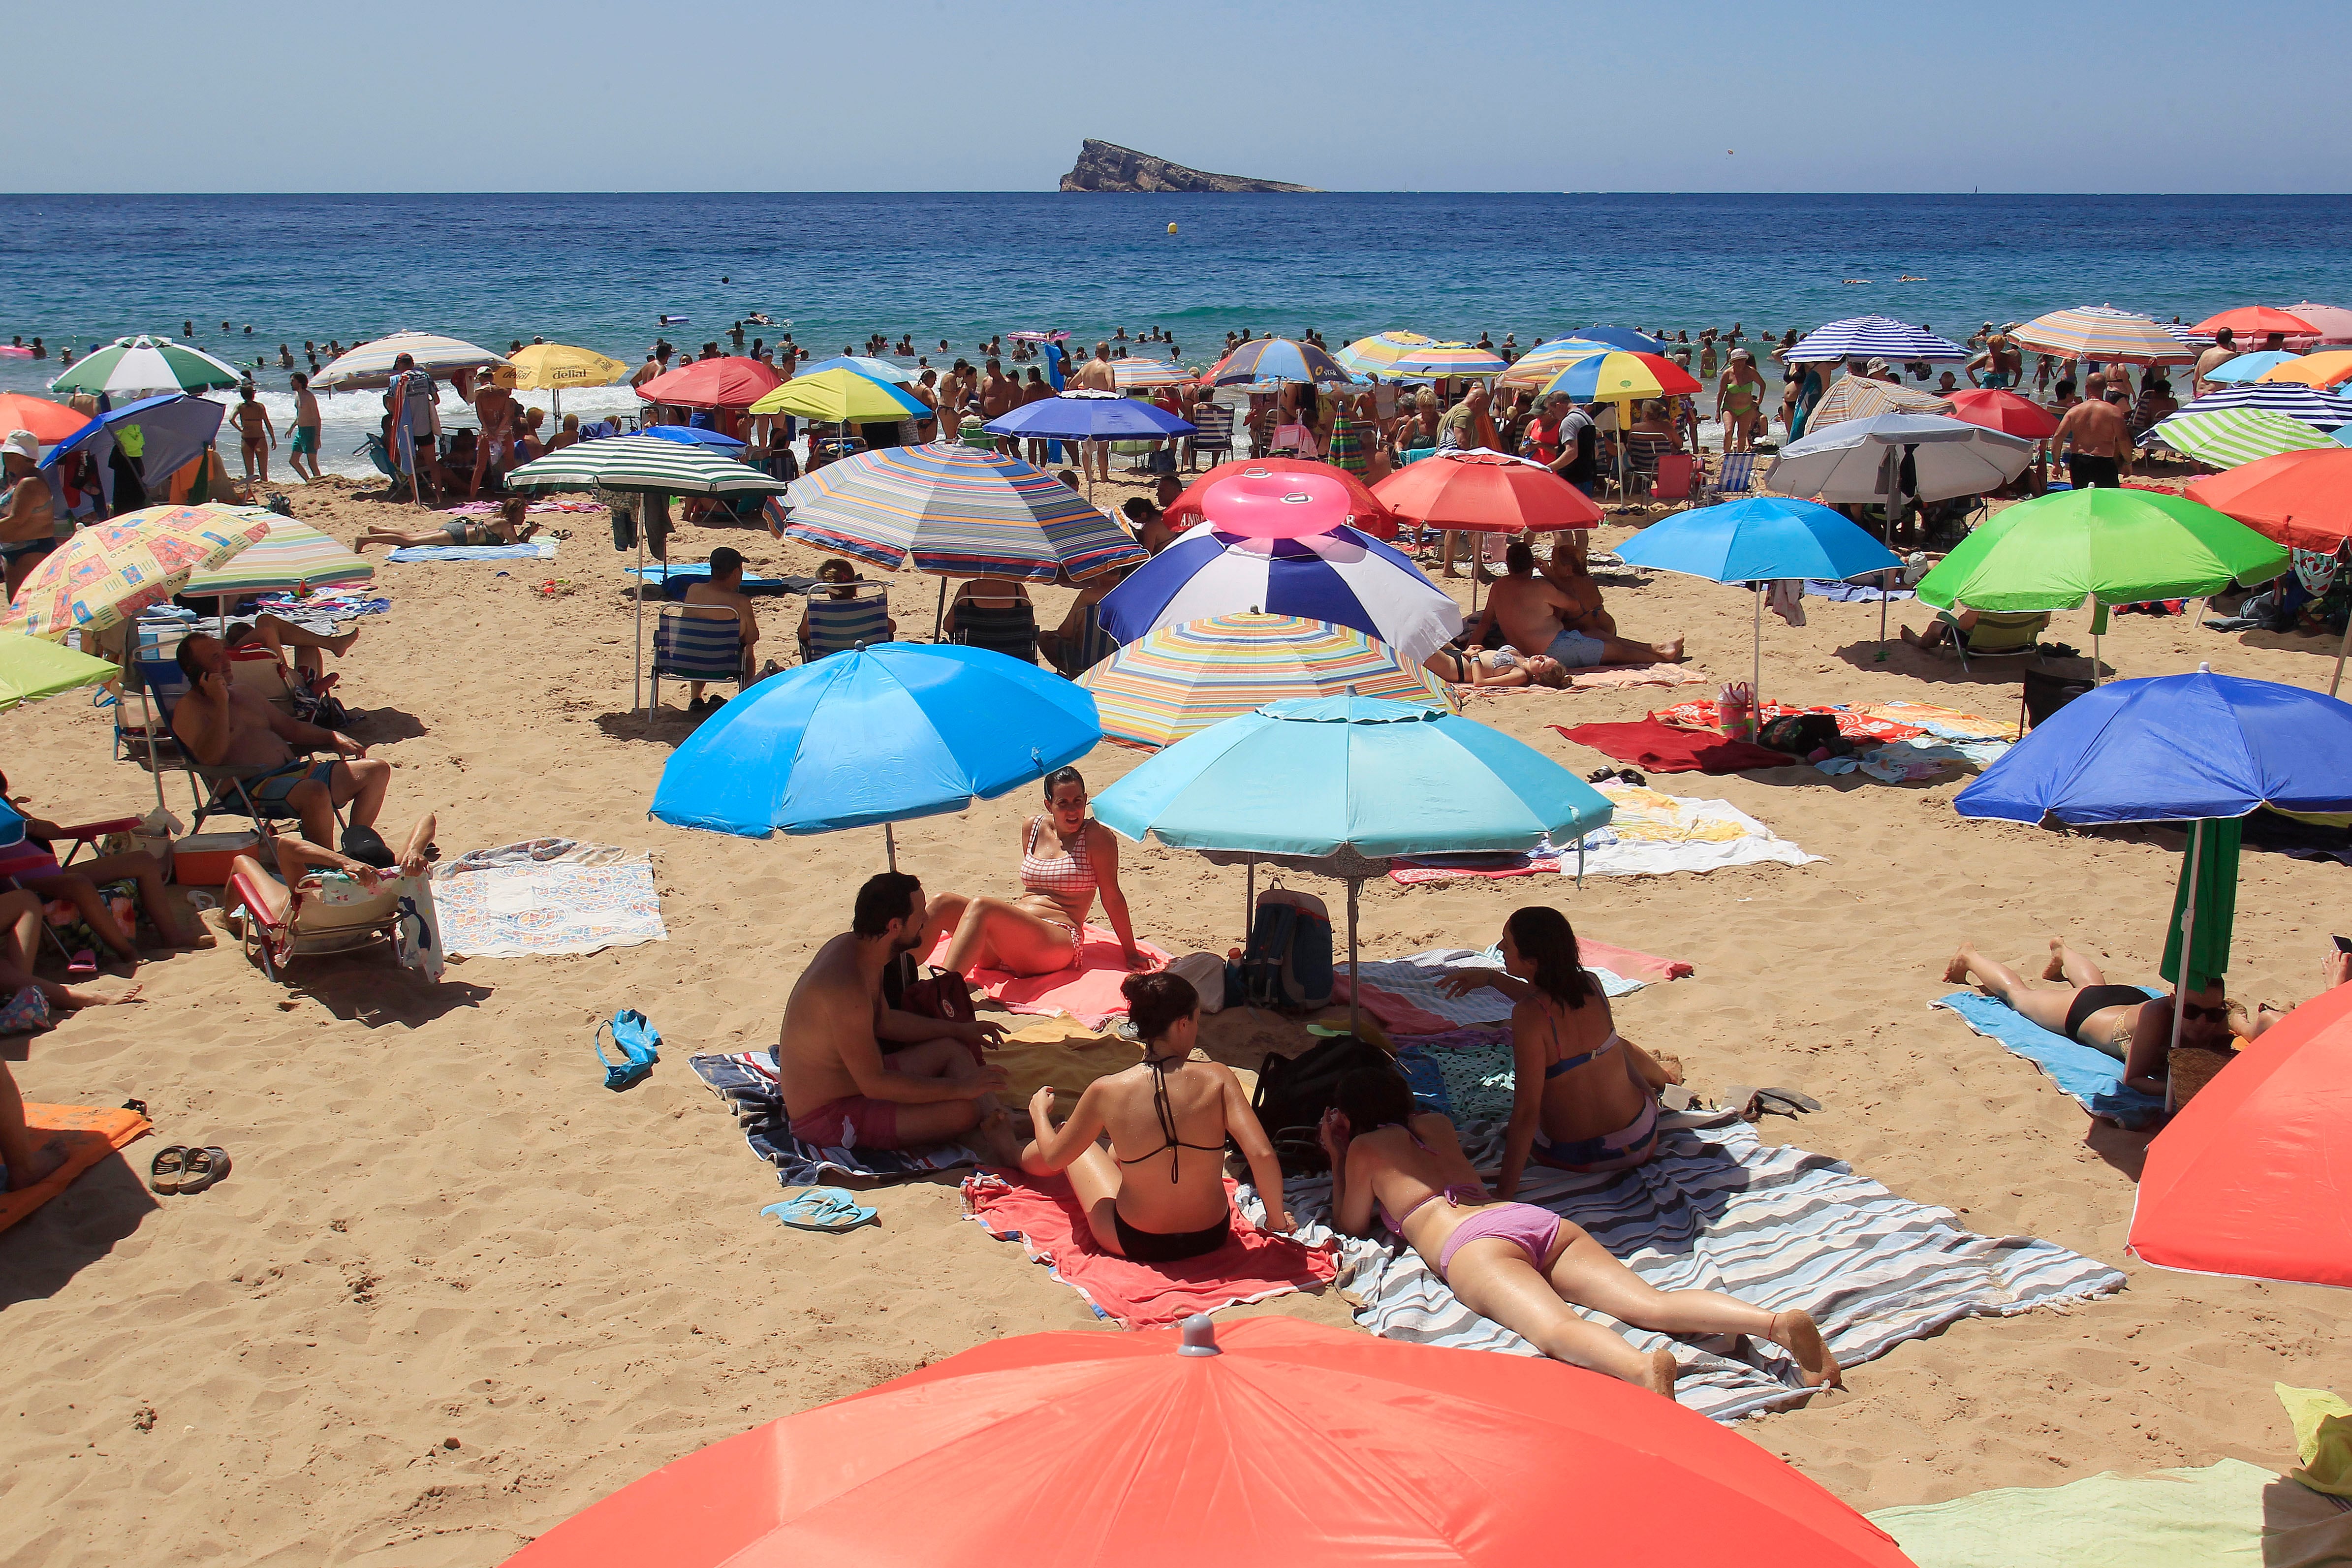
[597, 270]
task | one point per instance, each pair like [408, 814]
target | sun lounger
[1996, 633]
[327, 915]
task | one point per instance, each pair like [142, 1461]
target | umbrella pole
[1354, 885]
[890, 845]
[2341, 649]
[2180, 976]
[637, 664]
[1249, 900]
[1755, 680]
[940, 619]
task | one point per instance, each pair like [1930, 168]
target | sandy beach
[455, 1291]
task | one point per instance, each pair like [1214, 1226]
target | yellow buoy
[1171, 228]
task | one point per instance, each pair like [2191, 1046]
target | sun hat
[22, 443]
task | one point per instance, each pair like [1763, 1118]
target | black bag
[1292, 1093]
[1802, 734]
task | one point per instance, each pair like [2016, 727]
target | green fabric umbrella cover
[2118, 546]
[2212, 858]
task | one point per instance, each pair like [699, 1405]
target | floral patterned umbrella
[107, 574]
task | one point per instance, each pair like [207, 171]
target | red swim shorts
[849, 1122]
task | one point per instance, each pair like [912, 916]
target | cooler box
[202, 859]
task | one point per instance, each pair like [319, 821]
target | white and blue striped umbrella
[1345, 577]
[864, 364]
[1874, 337]
[2291, 398]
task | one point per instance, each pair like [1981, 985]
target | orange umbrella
[731, 382]
[2254, 322]
[2299, 499]
[1486, 492]
[2329, 368]
[50, 423]
[1271, 1440]
[1368, 512]
[2006, 412]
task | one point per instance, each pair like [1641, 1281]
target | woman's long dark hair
[1544, 935]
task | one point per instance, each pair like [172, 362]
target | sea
[831, 267]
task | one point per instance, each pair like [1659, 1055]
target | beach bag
[1287, 964]
[1803, 735]
[1292, 1093]
[639, 1043]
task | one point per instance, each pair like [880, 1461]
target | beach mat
[1649, 834]
[1402, 992]
[1043, 1216]
[674, 581]
[1656, 748]
[534, 550]
[1087, 992]
[2093, 1077]
[2226, 1513]
[547, 897]
[1716, 1208]
[746, 1080]
[85, 1133]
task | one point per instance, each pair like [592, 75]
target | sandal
[1785, 1101]
[81, 965]
[829, 1209]
[204, 1168]
[163, 1172]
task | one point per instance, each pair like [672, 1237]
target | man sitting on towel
[1532, 615]
[223, 726]
[855, 1072]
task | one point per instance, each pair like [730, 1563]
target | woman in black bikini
[1157, 1193]
[2120, 1020]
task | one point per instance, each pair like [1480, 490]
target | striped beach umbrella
[2328, 368]
[2324, 410]
[2252, 366]
[1619, 376]
[1544, 361]
[129, 368]
[370, 364]
[2191, 335]
[1874, 337]
[2104, 333]
[2228, 436]
[1390, 356]
[1277, 359]
[642, 465]
[958, 512]
[1622, 338]
[1183, 678]
[1373, 355]
[291, 558]
[1344, 576]
[1136, 370]
[108, 573]
[1860, 396]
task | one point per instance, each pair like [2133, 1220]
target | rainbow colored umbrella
[1544, 361]
[291, 557]
[1136, 372]
[2106, 335]
[1375, 354]
[108, 573]
[1404, 354]
[1277, 359]
[1621, 376]
[1182, 679]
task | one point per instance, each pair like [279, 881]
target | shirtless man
[307, 422]
[224, 727]
[495, 407]
[2120, 1020]
[2224, 350]
[1150, 524]
[724, 590]
[28, 528]
[1530, 614]
[1095, 375]
[853, 1071]
[256, 434]
[998, 397]
[2102, 442]
[1032, 390]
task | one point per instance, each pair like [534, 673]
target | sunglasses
[2194, 1013]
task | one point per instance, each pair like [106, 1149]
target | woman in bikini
[1491, 666]
[1157, 1193]
[2120, 1020]
[1586, 1098]
[1518, 1265]
[1738, 398]
[1066, 857]
[508, 527]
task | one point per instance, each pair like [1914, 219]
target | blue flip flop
[639, 1043]
[828, 1209]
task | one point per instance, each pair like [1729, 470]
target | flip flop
[1739, 1098]
[205, 1167]
[1785, 1101]
[828, 1209]
[81, 965]
[163, 1171]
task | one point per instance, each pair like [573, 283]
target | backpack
[946, 995]
[1292, 1093]
[1288, 964]
[1802, 734]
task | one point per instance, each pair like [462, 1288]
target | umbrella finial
[2203, 667]
[1199, 1336]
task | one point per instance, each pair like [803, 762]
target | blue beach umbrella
[874, 735]
[2321, 410]
[864, 364]
[1344, 576]
[1621, 338]
[692, 435]
[2250, 367]
[1873, 337]
[1086, 415]
[1757, 539]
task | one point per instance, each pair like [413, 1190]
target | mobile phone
[2344, 944]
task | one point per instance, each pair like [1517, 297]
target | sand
[456, 1291]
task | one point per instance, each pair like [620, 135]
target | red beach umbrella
[2252, 322]
[49, 422]
[1272, 1440]
[735, 382]
[1486, 492]
[2299, 499]
[1994, 409]
[1367, 511]
[2249, 1179]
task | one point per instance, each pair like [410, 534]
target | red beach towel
[1088, 991]
[1043, 1216]
[1662, 749]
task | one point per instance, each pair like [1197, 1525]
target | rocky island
[1107, 166]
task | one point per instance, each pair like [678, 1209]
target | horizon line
[1042, 191]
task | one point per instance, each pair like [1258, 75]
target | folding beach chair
[1996, 635]
[322, 916]
[1010, 629]
[1094, 644]
[1676, 475]
[21, 856]
[836, 626]
[1736, 477]
[217, 791]
[697, 643]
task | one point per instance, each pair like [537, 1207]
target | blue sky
[1435, 95]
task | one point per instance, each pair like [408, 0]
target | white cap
[22, 443]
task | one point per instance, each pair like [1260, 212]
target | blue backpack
[1287, 964]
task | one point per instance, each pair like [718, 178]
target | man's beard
[907, 942]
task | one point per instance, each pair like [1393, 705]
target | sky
[946, 95]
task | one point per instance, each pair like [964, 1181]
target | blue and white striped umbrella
[2291, 398]
[1346, 577]
[864, 364]
[1874, 337]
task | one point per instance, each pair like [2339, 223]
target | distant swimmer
[758, 319]
[671, 321]
[1171, 228]
[1907, 278]
[1853, 280]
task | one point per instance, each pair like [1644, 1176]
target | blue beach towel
[537, 550]
[2093, 1077]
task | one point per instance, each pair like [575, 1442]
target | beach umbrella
[1997, 409]
[129, 368]
[735, 381]
[1859, 461]
[33, 668]
[837, 396]
[1182, 1447]
[2203, 749]
[1486, 492]
[1756, 540]
[2110, 546]
[51, 424]
[1862, 396]
[290, 557]
[2321, 410]
[551, 367]
[108, 571]
[2334, 322]
[1344, 576]
[1373, 355]
[1275, 360]
[1366, 512]
[2247, 1181]
[1544, 361]
[692, 435]
[2104, 333]
[370, 364]
[2329, 368]
[2231, 436]
[1618, 338]
[875, 735]
[2302, 499]
[1183, 678]
[1436, 361]
[2255, 322]
[1136, 370]
[1618, 376]
[173, 429]
[2254, 366]
[1874, 337]
[864, 364]
[1083, 414]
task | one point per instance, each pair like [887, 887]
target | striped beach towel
[1718, 1209]
[746, 1080]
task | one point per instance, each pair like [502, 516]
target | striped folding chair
[1735, 478]
[697, 643]
[836, 626]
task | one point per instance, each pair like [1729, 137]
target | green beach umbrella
[33, 668]
[2109, 546]
[132, 368]
[2226, 438]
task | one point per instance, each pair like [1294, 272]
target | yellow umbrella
[840, 397]
[108, 573]
[551, 367]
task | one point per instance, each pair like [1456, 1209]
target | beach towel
[1656, 748]
[1474, 1066]
[538, 504]
[1945, 723]
[547, 897]
[534, 550]
[1060, 1052]
[2094, 1078]
[2225, 1513]
[1653, 833]
[1089, 991]
[746, 1080]
[1716, 1208]
[1853, 593]
[1543, 860]
[1043, 1216]
[84, 1133]
[1415, 978]
[1908, 762]
[1854, 723]
[1616, 677]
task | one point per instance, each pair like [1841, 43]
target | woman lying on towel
[1066, 856]
[1157, 1193]
[2120, 1020]
[1518, 1265]
[508, 527]
[1586, 1098]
